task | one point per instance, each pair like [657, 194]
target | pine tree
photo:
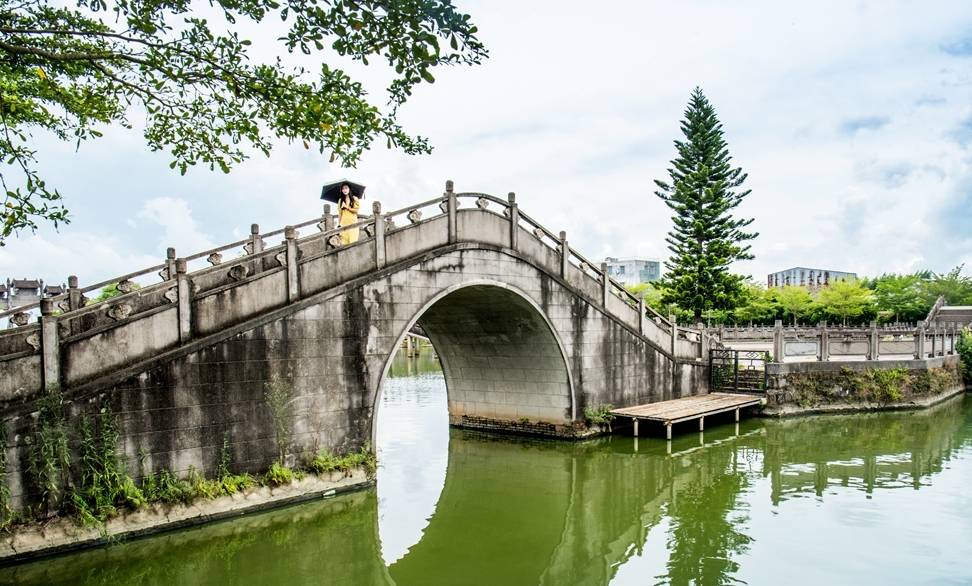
[706, 238]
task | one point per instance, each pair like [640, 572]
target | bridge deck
[686, 409]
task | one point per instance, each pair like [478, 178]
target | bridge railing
[154, 288]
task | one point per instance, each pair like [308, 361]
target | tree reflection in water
[522, 511]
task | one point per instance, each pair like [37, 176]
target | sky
[853, 121]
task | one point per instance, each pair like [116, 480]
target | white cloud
[848, 118]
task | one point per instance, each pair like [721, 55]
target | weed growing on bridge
[600, 415]
[6, 513]
[325, 461]
[49, 461]
[279, 475]
[103, 486]
[278, 397]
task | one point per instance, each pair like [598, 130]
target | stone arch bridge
[528, 331]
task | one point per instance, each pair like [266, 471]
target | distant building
[809, 278]
[631, 271]
[18, 292]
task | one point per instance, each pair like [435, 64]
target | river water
[853, 499]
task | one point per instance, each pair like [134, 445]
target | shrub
[964, 349]
[325, 461]
[278, 475]
[600, 415]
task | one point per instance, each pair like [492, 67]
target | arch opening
[500, 361]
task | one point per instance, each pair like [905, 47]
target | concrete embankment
[63, 535]
[844, 387]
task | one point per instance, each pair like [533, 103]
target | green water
[858, 499]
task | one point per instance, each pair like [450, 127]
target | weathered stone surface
[519, 344]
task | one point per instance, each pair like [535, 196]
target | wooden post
[379, 235]
[293, 286]
[50, 346]
[514, 220]
[184, 292]
[564, 255]
[451, 208]
[605, 285]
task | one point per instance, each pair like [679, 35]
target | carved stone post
[379, 235]
[564, 254]
[328, 218]
[642, 326]
[184, 300]
[676, 392]
[605, 285]
[514, 220]
[934, 342]
[778, 342]
[170, 259]
[452, 208]
[873, 343]
[74, 293]
[293, 275]
[824, 354]
[50, 351]
[920, 340]
[703, 342]
[255, 245]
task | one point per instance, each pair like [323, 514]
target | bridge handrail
[551, 240]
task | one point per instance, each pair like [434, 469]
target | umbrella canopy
[332, 191]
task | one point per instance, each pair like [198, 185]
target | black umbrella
[332, 191]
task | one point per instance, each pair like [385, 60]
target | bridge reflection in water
[782, 496]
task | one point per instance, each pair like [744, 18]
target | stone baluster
[328, 218]
[184, 292]
[642, 318]
[779, 346]
[824, 354]
[452, 211]
[605, 285]
[379, 235]
[50, 350]
[293, 274]
[564, 254]
[920, 341]
[674, 333]
[74, 293]
[170, 261]
[703, 343]
[934, 341]
[514, 220]
[873, 342]
[255, 245]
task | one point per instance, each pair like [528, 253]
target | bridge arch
[501, 356]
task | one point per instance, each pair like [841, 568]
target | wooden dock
[687, 409]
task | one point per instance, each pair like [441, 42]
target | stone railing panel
[100, 353]
[95, 317]
[801, 348]
[340, 265]
[892, 346]
[223, 308]
[20, 378]
[848, 347]
[18, 340]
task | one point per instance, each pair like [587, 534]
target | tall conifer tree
[702, 192]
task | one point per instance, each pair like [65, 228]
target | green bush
[964, 349]
[325, 461]
[599, 415]
[278, 475]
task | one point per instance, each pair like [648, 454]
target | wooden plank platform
[686, 409]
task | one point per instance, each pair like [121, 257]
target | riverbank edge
[63, 535]
[851, 408]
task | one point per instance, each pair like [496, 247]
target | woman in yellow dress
[348, 208]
